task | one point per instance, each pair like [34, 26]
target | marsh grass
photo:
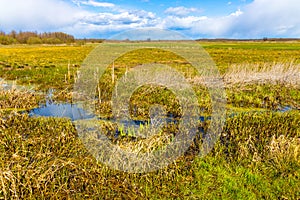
[264, 96]
[44, 158]
[15, 99]
[129, 139]
[226, 54]
[43, 66]
[257, 156]
[259, 86]
[253, 133]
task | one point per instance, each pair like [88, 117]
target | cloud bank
[260, 18]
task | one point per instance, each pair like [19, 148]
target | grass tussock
[253, 134]
[17, 99]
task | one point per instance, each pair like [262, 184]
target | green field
[257, 156]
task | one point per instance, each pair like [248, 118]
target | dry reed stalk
[282, 73]
[277, 73]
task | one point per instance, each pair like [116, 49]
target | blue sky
[193, 18]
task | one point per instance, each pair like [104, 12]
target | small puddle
[64, 110]
[286, 109]
[61, 110]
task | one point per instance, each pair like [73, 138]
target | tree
[6, 40]
[13, 34]
[30, 37]
[34, 40]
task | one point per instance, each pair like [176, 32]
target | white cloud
[271, 18]
[188, 22]
[111, 23]
[201, 26]
[57, 15]
[97, 4]
[37, 15]
[125, 18]
[180, 11]
[133, 17]
[237, 13]
[260, 18]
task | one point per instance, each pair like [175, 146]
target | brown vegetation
[34, 38]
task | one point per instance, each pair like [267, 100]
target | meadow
[257, 156]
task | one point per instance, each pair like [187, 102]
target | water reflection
[61, 110]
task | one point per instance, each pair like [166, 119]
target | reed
[277, 73]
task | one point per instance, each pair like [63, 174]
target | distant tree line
[29, 37]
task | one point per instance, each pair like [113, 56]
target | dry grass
[284, 149]
[43, 158]
[277, 73]
[283, 73]
[16, 98]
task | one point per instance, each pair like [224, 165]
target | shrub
[34, 40]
